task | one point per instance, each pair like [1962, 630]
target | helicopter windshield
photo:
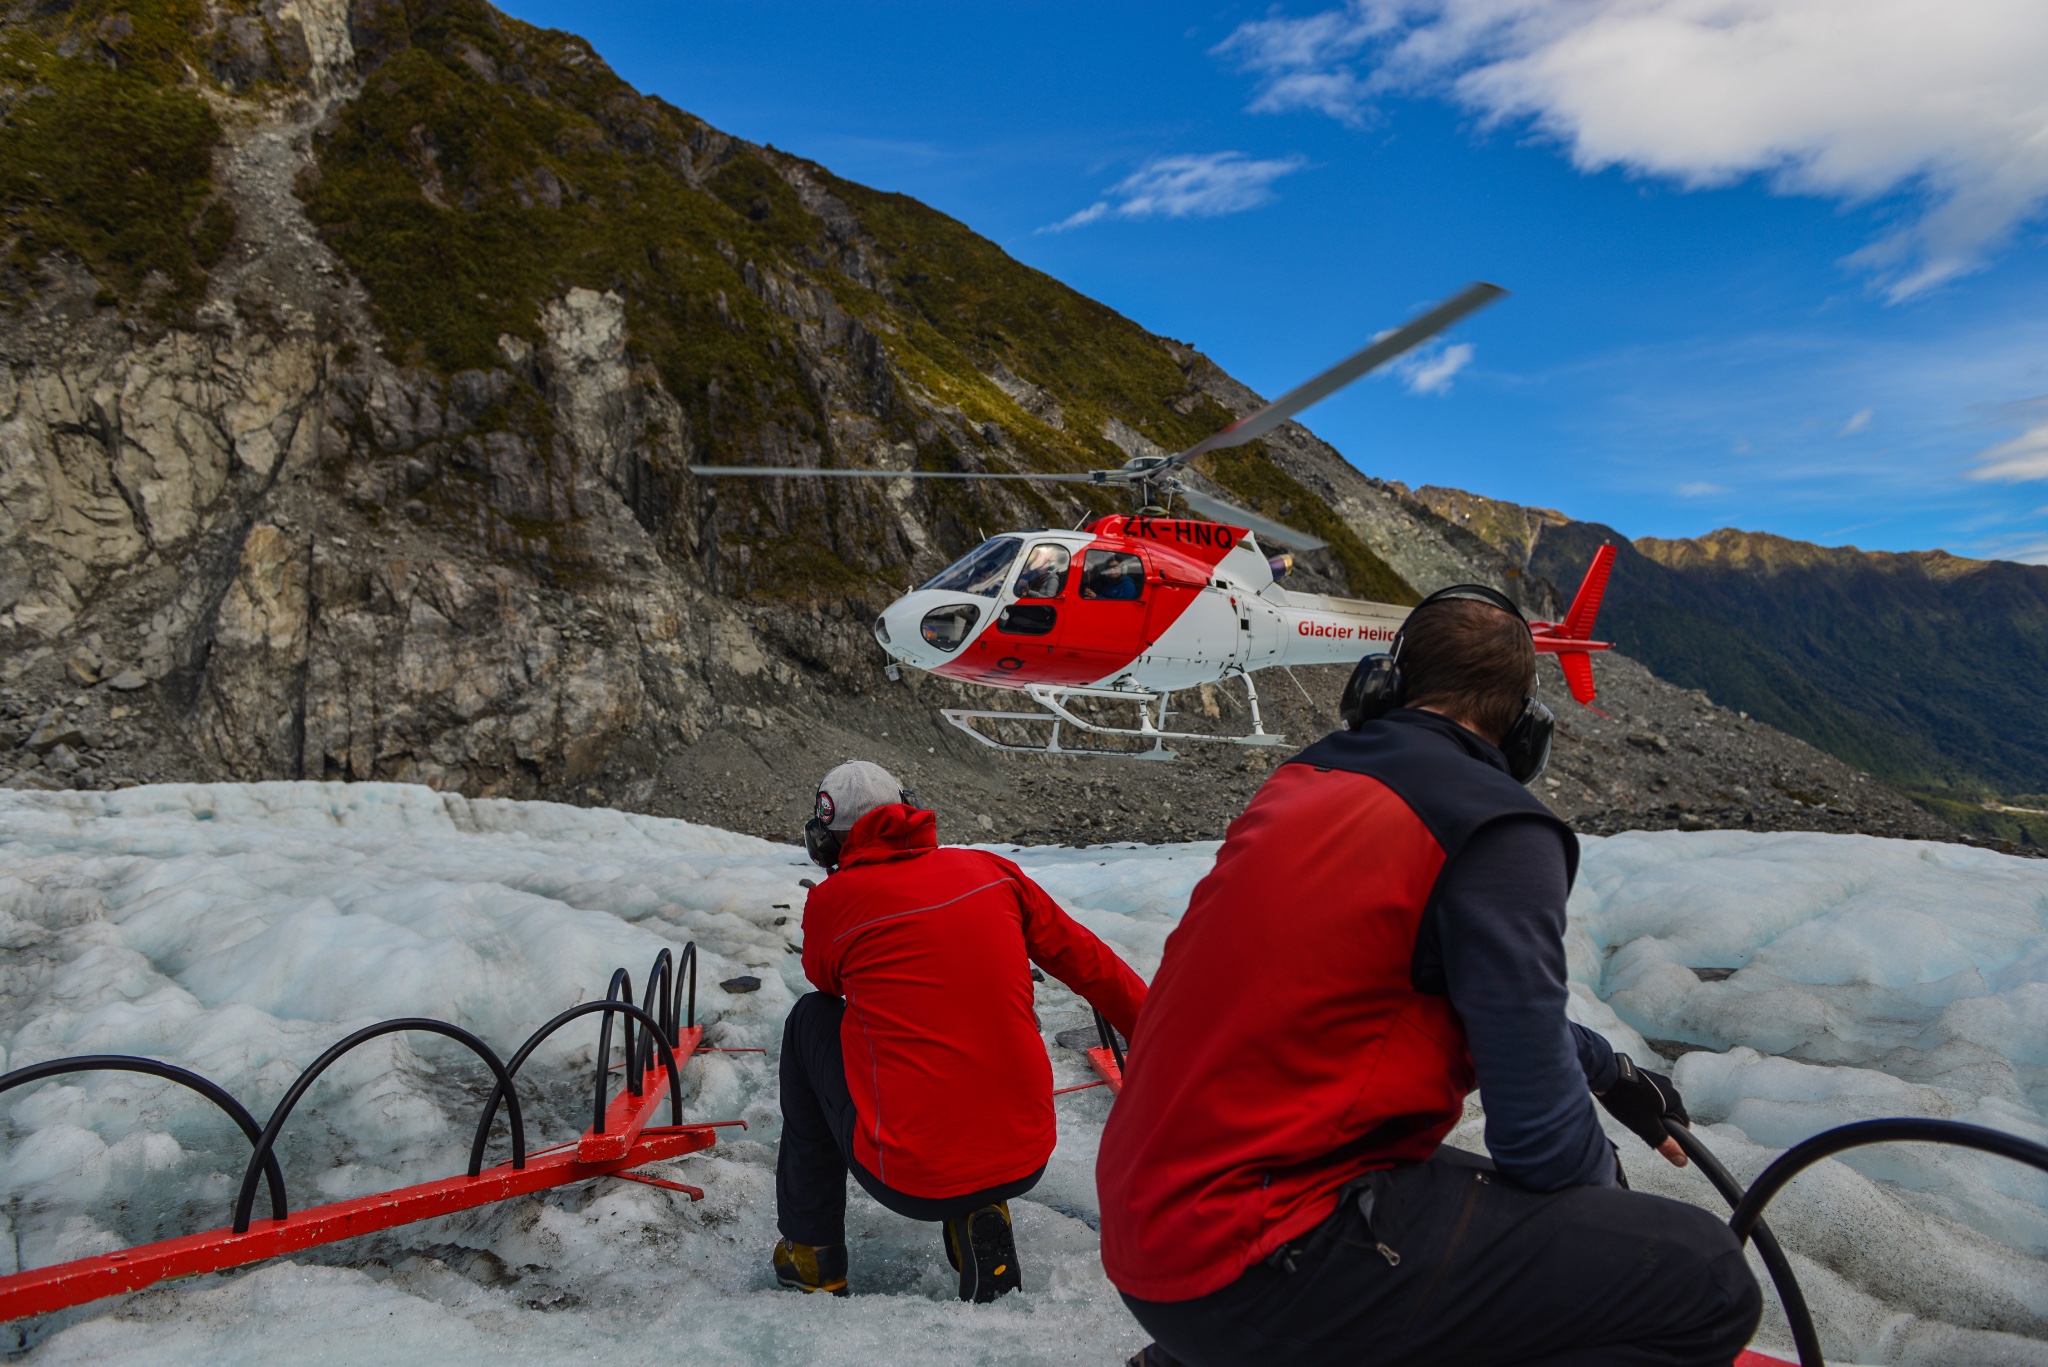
[982, 570]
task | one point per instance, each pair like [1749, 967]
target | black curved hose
[247, 1199]
[621, 990]
[690, 958]
[1909, 1130]
[170, 1072]
[1110, 1041]
[1797, 1315]
[661, 993]
[533, 1042]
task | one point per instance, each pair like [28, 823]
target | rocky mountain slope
[354, 351]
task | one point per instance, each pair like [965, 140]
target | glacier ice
[240, 929]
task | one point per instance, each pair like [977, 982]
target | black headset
[822, 843]
[1377, 688]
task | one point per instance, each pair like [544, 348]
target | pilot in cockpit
[1044, 573]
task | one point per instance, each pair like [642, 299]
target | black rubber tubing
[690, 958]
[246, 1201]
[621, 990]
[668, 1058]
[1902, 1130]
[660, 994]
[1107, 1033]
[170, 1072]
[1797, 1315]
[1747, 1220]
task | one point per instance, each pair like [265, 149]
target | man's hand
[1641, 1099]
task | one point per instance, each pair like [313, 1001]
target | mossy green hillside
[489, 166]
[106, 152]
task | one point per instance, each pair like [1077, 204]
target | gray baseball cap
[853, 790]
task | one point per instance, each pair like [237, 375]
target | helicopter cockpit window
[1045, 572]
[1113, 575]
[982, 570]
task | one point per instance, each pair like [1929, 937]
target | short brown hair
[1469, 660]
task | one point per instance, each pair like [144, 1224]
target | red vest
[1283, 1050]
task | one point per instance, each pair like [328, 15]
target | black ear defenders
[1376, 687]
[822, 843]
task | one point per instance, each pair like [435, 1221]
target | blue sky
[1780, 268]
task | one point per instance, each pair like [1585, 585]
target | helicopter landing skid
[1055, 713]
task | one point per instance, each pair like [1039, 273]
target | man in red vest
[917, 1064]
[1383, 929]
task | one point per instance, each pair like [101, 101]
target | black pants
[818, 1117]
[1448, 1264]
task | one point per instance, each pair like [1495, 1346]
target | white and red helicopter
[1136, 607]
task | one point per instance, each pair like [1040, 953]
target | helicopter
[1135, 607]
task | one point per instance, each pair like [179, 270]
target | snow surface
[240, 929]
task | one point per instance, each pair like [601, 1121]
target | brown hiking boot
[809, 1268]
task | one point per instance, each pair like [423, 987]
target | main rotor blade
[1411, 334]
[806, 471]
[1266, 527]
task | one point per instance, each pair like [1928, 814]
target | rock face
[396, 487]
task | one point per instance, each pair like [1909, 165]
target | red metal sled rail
[619, 1139]
[45, 1289]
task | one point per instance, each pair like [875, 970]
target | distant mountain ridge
[1928, 669]
[1765, 553]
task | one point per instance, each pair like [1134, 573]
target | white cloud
[1205, 185]
[1700, 488]
[1856, 423]
[1853, 100]
[1431, 370]
[2024, 457]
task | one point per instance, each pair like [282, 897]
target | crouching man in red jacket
[1384, 929]
[917, 1063]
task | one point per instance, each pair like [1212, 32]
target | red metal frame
[1104, 1063]
[1750, 1359]
[626, 1142]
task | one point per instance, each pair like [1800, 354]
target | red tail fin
[1578, 623]
[1578, 674]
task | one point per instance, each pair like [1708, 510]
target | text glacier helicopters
[1136, 606]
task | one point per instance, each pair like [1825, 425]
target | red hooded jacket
[932, 950]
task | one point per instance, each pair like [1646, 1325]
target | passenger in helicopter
[1113, 575]
[917, 1064]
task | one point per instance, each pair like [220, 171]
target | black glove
[1641, 1099]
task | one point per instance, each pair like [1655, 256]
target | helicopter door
[1033, 615]
[1106, 615]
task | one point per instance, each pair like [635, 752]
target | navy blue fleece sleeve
[1500, 916]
